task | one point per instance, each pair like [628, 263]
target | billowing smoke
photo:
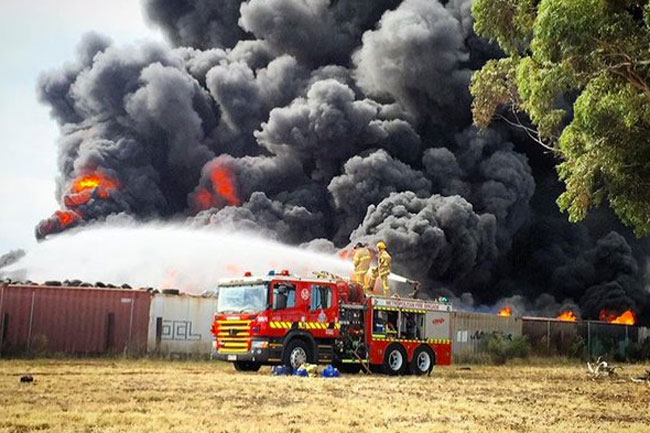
[321, 123]
[416, 56]
[11, 257]
[437, 237]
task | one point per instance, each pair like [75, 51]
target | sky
[38, 35]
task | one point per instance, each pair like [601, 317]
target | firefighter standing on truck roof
[382, 270]
[362, 260]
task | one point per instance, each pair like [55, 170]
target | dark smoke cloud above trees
[322, 123]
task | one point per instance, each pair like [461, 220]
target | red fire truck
[284, 319]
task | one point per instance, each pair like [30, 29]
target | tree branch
[532, 133]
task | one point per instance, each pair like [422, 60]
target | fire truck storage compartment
[351, 346]
[438, 325]
[410, 323]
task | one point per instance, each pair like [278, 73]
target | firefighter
[362, 259]
[382, 270]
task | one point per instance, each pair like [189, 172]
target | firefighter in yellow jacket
[382, 270]
[362, 258]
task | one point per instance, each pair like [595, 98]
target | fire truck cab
[284, 319]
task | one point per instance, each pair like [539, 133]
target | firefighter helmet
[381, 245]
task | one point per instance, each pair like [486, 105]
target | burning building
[330, 123]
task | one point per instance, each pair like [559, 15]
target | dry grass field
[162, 396]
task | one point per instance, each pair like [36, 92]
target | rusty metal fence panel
[47, 320]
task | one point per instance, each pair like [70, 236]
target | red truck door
[322, 309]
[284, 303]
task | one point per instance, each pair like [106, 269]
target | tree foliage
[580, 71]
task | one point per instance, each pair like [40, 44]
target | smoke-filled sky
[317, 123]
[36, 35]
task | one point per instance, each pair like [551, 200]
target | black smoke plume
[321, 123]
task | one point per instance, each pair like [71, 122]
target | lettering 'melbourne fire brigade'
[284, 319]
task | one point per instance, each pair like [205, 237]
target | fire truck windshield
[245, 298]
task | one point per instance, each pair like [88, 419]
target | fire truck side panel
[443, 353]
[438, 329]
[410, 327]
[437, 325]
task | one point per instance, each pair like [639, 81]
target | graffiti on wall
[178, 330]
[463, 336]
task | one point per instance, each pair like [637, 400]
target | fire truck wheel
[296, 353]
[395, 360]
[247, 366]
[423, 360]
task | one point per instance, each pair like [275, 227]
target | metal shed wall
[72, 320]
[470, 329]
[181, 325]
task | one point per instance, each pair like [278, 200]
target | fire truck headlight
[259, 344]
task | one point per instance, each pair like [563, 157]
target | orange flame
[94, 180]
[568, 316]
[67, 218]
[222, 183]
[222, 193]
[84, 188]
[76, 200]
[626, 318]
[204, 199]
[505, 312]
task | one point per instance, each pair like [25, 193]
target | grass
[161, 396]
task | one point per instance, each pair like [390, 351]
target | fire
[626, 318]
[505, 312]
[67, 217]
[222, 193]
[86, 187]
[95, 185]
[76, 200]
[222, 183]
[92, 181]
[568, 316]
[203, 199]
[59, 221]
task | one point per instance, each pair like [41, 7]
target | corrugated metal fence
[470, 330]
[588, 338]
[180, 325]
[41, 319]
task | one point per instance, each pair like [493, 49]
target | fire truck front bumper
[259, 352]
